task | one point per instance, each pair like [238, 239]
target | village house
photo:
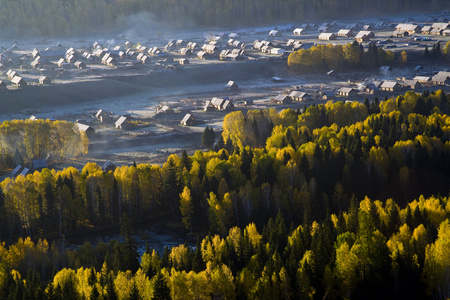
[11, 74]
[80, 65]
[71, 59]
[103, 116]
[44, 80]
[426, 29]
[277, 51]
[274, 33]
[423, 79]
[222, 103]
[16, 171]
[210, 49]
[385, 69]
[108, 166]
[373, 87]
[347, 92]
[390, 86]
[185, 51]
[369, 33]
[441, 78]
[192, 46]
[231, 85]
[111, 62]
[123, 123]
[299, 96]
[183, 61]
[189, 120]
[327, 95]
[348, 33]
[36, 62]
[400, 33]
[439, 27]
[63, 64]
[362, 37]
[327, 36]
[18, 81]
[324, 27]
[202, 55]
[164, 110]
[409, 28]
[412, 84]
[283, 99]
[86, 129]
[367, 27]
[299, 31]
[209, 106]
[39, 164]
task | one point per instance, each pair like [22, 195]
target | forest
[337, 201]
[339, 57]
[22, 141]
[78, 17]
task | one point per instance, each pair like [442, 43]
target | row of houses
[362, 36]
[406, 29]
[328, 27]
[36, 165]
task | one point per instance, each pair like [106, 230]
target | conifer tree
[160, 291]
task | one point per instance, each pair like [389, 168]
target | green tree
[160, 289]
[208, 137]
[129, 257]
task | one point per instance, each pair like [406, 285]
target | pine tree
[129, 257]
[208, 137]
[160, 290]
[134, 293]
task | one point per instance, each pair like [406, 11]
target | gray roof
[121, 120]
[407, 27]
[297, 94]
[83, 127]
[217, 101]
[25, 171]
[39, 163]
[186, 118]
[17, 79]
[281, 97]
[16, 170]
[346, 90]
[389, 84]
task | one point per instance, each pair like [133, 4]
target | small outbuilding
[44, 80]
[86, 129]
[347, 92]
[412, 84]
[39, 164]
[18, 81]
[123, 123]
[189, 120]
[108, 166]
[231, 85]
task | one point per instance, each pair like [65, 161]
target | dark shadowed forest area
[77, 17]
